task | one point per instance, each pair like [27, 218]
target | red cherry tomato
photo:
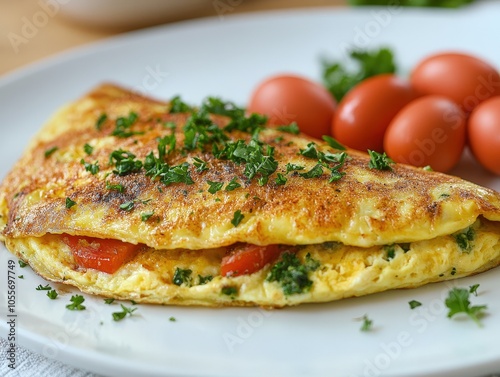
[248, 258]
[428, 131]
[366, 111]
[100, 254]
[484, 134]
[463, 78]
[286, 99]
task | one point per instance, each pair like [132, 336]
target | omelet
[209, 206]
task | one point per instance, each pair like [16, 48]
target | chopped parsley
[127, 206]
[69, 203]
[339, 80]
[280, 179]
[414, 304]
[100, 121]
[124, 162]
[123, 125]
[333, 143]
[292, 274]
[379, 161]
[367, 323]
[92, 168]
[464, 239]
[292, 128]
[118, 316]
[109, 301]
[390, 252]
[214, 105]
[50, 151]
[293, 167]
[202, 280]
[214, 186]
[473, 289]
[52, 294]
[22, 263]
[458, 302]
[178, 106]
[145, 216]
[182, 276]
[232, 185]
[238, 216]
[76, 303]
[315, 172]
[229, 291]
[117, 187]
[88, 149]
[172, 319]
[43, 288]
[200, 165]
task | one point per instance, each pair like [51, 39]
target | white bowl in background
[129, 14]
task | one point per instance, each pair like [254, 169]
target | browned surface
[366, 207]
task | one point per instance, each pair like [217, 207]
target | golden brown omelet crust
[366, 207]
[346, 225]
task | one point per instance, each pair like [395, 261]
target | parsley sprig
[458, 302]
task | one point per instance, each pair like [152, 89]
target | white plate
[227, 57]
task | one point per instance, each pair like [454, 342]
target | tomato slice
[100, 254]
[247, 258]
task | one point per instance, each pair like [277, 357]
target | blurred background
[58, 25]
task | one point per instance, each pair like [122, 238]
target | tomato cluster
[449, 101]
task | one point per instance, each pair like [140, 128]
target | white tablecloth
[30, 364]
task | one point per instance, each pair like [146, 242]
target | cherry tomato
[428, 131]
[286, 99]
[248, 258]
[366, 111]
[100, 254]
[484, 134]
[465, 79]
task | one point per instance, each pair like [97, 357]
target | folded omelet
[194, 189]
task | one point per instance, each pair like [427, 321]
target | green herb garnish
[178, 106]
[118, 316]
[117, 187]
[473, 289]
[292, 128]
[339, 80]
[123, 125]
[200, 165]
[214, 186]
[43, 288]
[92, 168]
[458, 302]
[76, 303]
[464, 239]
[69, 203]
[50, 151]
[127, 206]
[52, 294]
[414, 304]
[232, 185]
[229, 291]
[124, 162]
[182, 276]
[315, 172]
[109, 301]
[238, 216]
[280, 179]
[367, 323]
[333, 143]
[100, 121]
[88, 149]
[22, 263]
[145, 216]
[202, 280]
[292, 274]
[379, 161]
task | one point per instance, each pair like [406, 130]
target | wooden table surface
[19, 46]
